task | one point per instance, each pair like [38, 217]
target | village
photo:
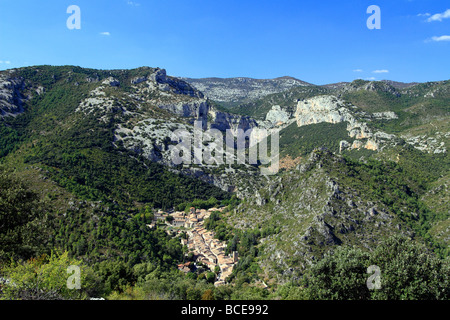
[206, 249]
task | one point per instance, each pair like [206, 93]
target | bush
[47, 278]
[408, 270]
[21, 217]
[339, 276]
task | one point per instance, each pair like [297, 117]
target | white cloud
[105, 33]
[371, 78]
[380, 71]
[441, 38]
[5, 62]
[439, 16]
[424, 14]
[358, 70]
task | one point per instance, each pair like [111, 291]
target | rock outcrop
[321, 109]
[277, 116]
[111, 82]
[227, 121]
[11, 97]
[327, 108]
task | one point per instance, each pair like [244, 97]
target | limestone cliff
[328, 108]
[10, 95]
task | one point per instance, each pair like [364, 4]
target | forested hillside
[85, 174]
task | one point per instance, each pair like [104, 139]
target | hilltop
[234, 91]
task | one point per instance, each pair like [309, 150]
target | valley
[88, 178]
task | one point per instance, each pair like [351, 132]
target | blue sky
[316, 41]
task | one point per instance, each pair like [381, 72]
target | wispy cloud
[439, 16]
[105, 34]
[371, 78]
[380, 71]
[5, 62]
[441, 38]
[358, 70]
[424, 14]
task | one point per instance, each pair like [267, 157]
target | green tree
[20, 209]
[216, 269]
[114, 275]
[210, 277]
[208, 295]
[46, 278]
[410, 271]
[340, 275]
[193, 294]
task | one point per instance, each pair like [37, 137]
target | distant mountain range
[235, 91]
[395, 84]
[231, 92]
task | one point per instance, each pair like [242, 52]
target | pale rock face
[437, 143]
[331, 109]
[321, 109]
[383, 135]
[343, 145]
[371, 145]
[96, 101]
[138, 80]
[227, 121]
[385, 115]
[429, 95]
[40, 90]
[357, 144]
[111, 82]
[159, 76]
[10, 97]
[195, 108]
[165, 83]
[277, 116]
[358, 130]
[149, 138]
